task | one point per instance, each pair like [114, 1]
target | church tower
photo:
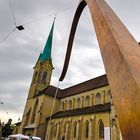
[34, 118]
[43, 68]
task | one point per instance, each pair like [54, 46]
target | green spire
[46, 54]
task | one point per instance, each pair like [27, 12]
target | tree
[0, 129]
[7, 129]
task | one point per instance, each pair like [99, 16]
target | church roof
[46, 54]
[85, 86]
[51, 90]
[77, 89]
[81, 111]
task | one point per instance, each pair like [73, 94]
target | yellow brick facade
[95, 125]
[63, 128]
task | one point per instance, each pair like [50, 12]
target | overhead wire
[14, 18]
[49, 15]
[27, 25]
[32, 21]
[54, 15]
[7, 35]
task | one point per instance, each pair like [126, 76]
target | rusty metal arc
[71, 38]
[121, 54]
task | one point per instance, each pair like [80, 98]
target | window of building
[55, 130]
[75, 130]
[87, 100]
[50, 135]
[109, 97]
[64, 128]
[34, 112]
[87, 129]
[78, 102]
[98, 98]
[101, 129]
[70, 104]
[63, 106]
[44, 77]
[40, 77]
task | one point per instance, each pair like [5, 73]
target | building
[81, 112]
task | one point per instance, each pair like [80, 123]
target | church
[81, 112]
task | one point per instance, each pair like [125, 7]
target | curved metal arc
[71, 38]
[123, 75]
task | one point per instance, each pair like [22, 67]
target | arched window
[70, 104]
[98, 98]
[40, 77]
[101, 130]
[75, 130]
[109, 96]
[86, 129]
[34, 111]
[44, 77]
[87, 100]
[55, 130]
[78, 102]
[28, 117]
[63, 106]
[51, 130]
[66, 130]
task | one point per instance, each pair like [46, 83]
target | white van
[22, 137]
